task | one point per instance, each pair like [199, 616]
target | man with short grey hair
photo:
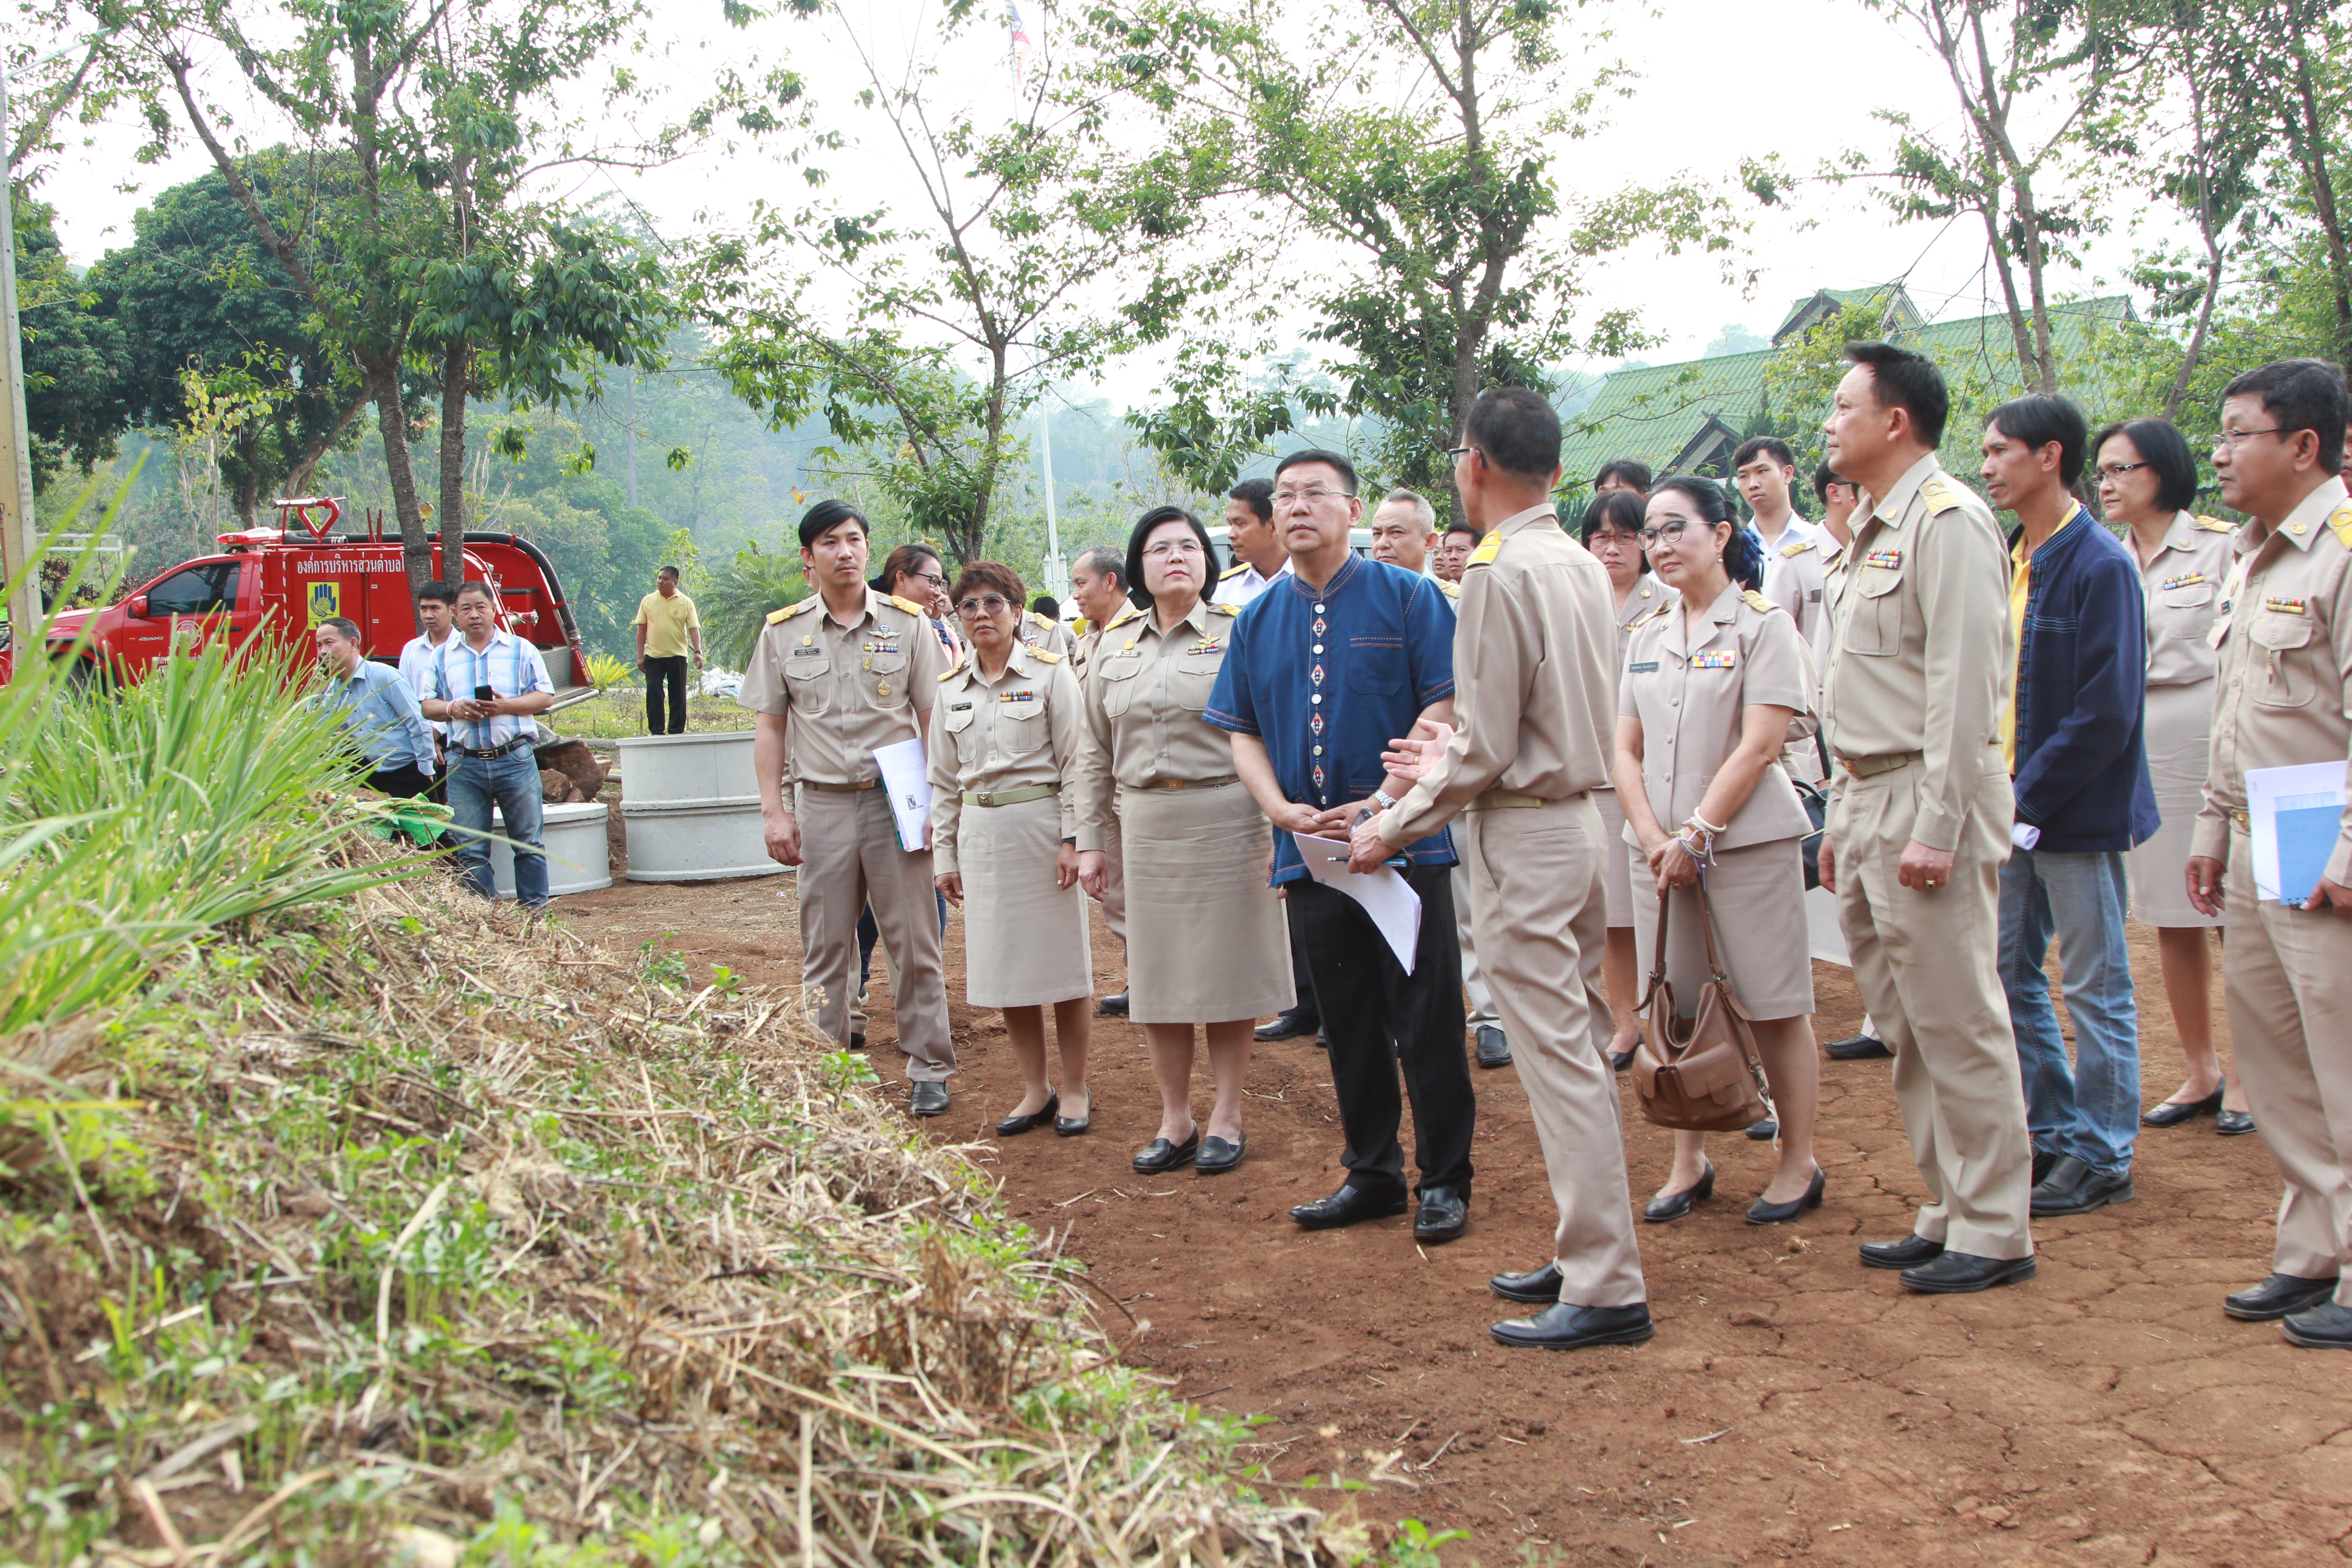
[1404, 531]
[380, 714]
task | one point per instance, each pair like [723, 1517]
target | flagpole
[1057, 572]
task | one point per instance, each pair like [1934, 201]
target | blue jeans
[2090, 1110]
[511, 783]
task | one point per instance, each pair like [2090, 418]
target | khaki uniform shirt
[1041, 630]
[1640, 605]
[2183, 582]
[2284, 692]
[1144, 695]
[844, 690]
[1532, 693]
[1691, 698]
[1796, 576]
[1019, 730]
[1923, 659]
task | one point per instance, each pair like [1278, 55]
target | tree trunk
[2196, 350]
[456, 370]
[416, 548]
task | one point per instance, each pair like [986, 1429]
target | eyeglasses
[986, 605]
[1168, 547]
[2227, 439]
[1313, 495]
[1457, 451]
[2117, 470]
[1669, 532]
[939, 583]
[1616, 537]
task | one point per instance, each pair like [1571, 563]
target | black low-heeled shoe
[1161, 1156]
[1019, 1123]
[1217, 1156]
[2172, 1113]
[1761, 1213]
[2234, 1123]
[1075, 1126]
[1673, 1205]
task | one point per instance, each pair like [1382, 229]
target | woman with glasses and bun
[2147, 481]
[1003, 748]
[1206, 944]
[1612, 531]
[914, 573]
[1711, 683]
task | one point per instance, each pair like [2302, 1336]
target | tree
[73, 357]
[1390, 164]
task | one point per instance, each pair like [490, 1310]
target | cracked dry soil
[1793, 1404]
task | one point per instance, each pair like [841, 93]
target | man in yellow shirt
[667, 627]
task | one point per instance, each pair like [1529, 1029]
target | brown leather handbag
[1699, 1073]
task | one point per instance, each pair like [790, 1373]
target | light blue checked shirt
[381, 715]
[510, 666]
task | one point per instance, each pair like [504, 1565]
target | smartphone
[484, 694]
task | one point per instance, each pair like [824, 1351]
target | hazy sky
[1722, 79]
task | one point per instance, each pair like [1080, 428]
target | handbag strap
[1714, 960]
[1657, 969]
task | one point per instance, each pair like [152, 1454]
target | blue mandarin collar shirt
[1328, 678]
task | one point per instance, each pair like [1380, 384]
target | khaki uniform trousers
[1540, 912]
[1928, 967]
[1474, 979]
[2288, 977]
[850, 859]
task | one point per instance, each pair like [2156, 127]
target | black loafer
[2073, 1187]
[2326, 1327]
[856, 1039]
[1619, 1060]
[2234, 1123]
[2172, 1113]
[1116, 1006]
[1761, 1213]
[2280, 1295]
[1539, 1287]
[1444, 1215]
[2043, 1163]
[1285, 1027]
[1763, 1132]
[1075, 1126]
[1350, 1205]
[1565, 1326]
[1494, 1050]
[1673, 1205]
[928, 1099]
[1960, 1273]
[1217, 1156]
[1016, 1124]
[1161, 1156]
[1908, 1253]
[1857, 1049]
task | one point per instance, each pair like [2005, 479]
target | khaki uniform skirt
[1025, 940]
[1617, 870]
[1757, 893]
[2179, 728]
[1206, 942]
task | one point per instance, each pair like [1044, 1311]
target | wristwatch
[1387, 801]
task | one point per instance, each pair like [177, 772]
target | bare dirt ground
[1793, 1403]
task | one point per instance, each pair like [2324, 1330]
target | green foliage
[74, 356]
[736, 600]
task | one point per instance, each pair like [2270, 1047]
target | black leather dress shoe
[2073, 1187]
[1673, 1205]
[1285, 1027]
[1444, 1215]
[1761, 1213]
[2172, 1113]
[856, 1039]
[1114, 1006]
[1564, 1326]
[1161, 1156]
[1016, 1124]
[1494, 1050]
[1075, 1126]
[2326, 1327]
[1217, 1156]
[1539, 1287]
[2280, 1295]
[1857, 1049]
[2043, 1163]
[1350, 1205]
[928, 1099]
[1619, 1060]
[1959, 1273]
[1908, 1253]
[2234, 1123]
[1763, 1132]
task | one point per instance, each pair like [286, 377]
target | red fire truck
[287, 579]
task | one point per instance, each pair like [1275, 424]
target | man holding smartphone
[491, 732]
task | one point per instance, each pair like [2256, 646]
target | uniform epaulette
[2339, 523]
[791, 610]
[952, 672]
[1796, 547]
[1081, 627]
[1232, 571]
[1488, 548]
[1040, 619]
[909, 605]
[1121, 619]
[1451, 590]
[1224, 609]
[1938, 491]
[1049, 655]
[2214, 525]
[1756, 601]
[1660, 613]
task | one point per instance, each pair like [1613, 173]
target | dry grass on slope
[419, 1234]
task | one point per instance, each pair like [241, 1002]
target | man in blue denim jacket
[2074, 734]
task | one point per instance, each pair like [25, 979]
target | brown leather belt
[1863, 768]
[840, 788]
[1190, 783]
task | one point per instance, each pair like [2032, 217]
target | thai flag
[1021, 46]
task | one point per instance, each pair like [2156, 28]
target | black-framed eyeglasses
[939, 583]
[1457, 451]
[2229, 438]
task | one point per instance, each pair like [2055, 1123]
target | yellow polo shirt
[666, 621]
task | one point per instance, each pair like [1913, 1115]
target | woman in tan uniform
[1206, 942]
[2148, 478]
[1612, 531]
[1003, 746]
[1710, 685]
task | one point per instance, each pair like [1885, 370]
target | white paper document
[2294, 816]
[906, 774]
[1387, 898]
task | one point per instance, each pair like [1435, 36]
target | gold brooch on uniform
[1725, 660]
[882, 690]
[1890, 558]
[2285, 607]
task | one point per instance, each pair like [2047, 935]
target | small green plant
[845, 1070]
[660, 964]
[605, 670]
[724, 980]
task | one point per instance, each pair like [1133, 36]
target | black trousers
[1303, 1010]
[1380, 1020]
[405, 782]
[666, 674]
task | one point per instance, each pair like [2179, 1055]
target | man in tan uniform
[1098, 588]
[833, 677]
[2281, 698]
[1920, 816]
[1535, 694]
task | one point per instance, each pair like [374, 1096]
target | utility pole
[18, 538]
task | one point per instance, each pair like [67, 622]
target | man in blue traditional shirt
[1322, 668]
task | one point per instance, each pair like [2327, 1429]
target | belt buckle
[1847, 763]
[984, 797]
